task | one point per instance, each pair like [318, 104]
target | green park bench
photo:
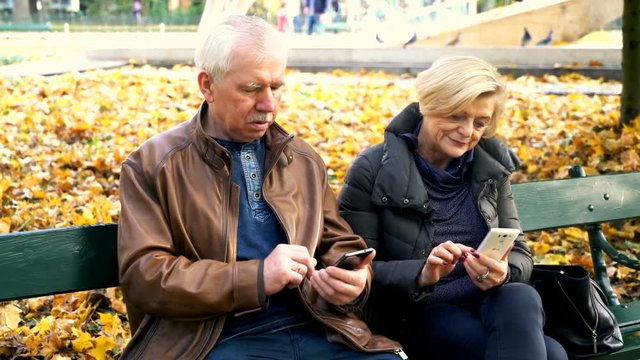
[45, 262]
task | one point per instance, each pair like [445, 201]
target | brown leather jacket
[177, 241]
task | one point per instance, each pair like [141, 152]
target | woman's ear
[205, 82]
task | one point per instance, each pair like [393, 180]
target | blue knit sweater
[456, 218]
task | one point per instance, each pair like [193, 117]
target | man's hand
[287, 266]
[340, 286]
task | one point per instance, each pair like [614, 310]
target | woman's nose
[466, 128]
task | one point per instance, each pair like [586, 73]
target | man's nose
[267, 101]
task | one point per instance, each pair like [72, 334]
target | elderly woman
[424, 199]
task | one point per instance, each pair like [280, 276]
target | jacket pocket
[163, 338]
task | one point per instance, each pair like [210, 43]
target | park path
[52, 53]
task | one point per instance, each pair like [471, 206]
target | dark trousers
[505, 324]
[314, 23]
[300, 342]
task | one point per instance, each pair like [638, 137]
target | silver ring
[482, 277]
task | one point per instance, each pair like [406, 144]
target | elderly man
[229, 230]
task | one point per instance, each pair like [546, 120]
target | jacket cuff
[262, 297]
[419, 293]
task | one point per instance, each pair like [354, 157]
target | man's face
[246, 102]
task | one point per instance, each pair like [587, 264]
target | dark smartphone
[352, 259]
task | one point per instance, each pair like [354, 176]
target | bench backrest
[43, 262]
[586, 200]
[35, 263]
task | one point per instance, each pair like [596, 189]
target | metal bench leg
[599, 265]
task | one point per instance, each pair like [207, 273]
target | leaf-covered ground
[64, 138]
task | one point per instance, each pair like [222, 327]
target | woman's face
[442, 139]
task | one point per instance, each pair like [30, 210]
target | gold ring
[482, 277]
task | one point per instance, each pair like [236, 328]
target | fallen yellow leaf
[83, 340]
[9, 316]
[104, 344]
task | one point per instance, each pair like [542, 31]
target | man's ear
[205, 82]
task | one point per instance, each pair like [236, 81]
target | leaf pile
[64, 138]
[65, 326]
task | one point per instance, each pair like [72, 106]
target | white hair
[239, 33]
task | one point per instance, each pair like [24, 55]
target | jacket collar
[399, 183]
[214, 154]
[406, 121]
[494, 149]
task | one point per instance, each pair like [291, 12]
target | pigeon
[547, 40]
[526, 38]
[413, 39]
[455, 40]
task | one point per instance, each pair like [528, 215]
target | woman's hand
[486, 272]
[441, 261]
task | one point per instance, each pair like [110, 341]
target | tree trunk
[21, 13]
[216, 10]
[630, 102]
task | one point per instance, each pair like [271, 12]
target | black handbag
[576, 310]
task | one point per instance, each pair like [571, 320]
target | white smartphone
[497, 242]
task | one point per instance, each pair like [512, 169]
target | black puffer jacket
[385, 200]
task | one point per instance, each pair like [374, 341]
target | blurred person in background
[136, 11]
[283, 18]
[314, 10]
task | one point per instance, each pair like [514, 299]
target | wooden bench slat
[627, 315]
[570, 202]
[54, 261]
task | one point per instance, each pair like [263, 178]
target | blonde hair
[452, 83]
[251, 33]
